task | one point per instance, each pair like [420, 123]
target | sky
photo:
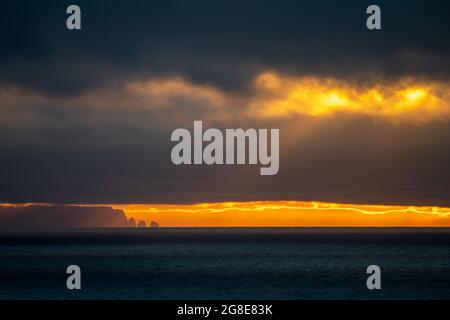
[86, 116]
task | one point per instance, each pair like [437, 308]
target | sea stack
[154, 224]
[142, 224]
[131, 223]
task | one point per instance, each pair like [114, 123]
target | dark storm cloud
[220, 42]
[73, 132]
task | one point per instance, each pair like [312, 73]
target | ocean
[227, 263]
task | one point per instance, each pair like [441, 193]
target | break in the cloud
[289, 214]
[408, 100]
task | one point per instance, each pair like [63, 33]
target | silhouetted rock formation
[17, 218]
[154, 224]
[142, 224]
[131, 223]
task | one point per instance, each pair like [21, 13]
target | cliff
[17, 218]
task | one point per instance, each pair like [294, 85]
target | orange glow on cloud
[272, 95]
[287, 213]
[407, 100]
[164, 90]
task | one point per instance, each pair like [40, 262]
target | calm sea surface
[227, 263]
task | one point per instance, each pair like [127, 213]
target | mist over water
[227, 263]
